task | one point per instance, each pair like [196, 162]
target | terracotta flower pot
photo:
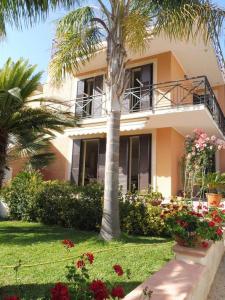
[214, 199]
[196, 241]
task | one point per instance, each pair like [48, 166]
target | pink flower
[11, 298]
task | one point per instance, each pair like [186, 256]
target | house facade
[174, 87]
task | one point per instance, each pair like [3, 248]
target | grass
[34, 243]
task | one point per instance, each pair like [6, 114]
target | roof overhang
[196, 57]
[183, 119]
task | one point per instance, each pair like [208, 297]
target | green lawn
[35, 243]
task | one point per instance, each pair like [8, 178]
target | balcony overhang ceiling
[195, 57]
[100, 127]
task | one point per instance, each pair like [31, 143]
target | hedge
[31, 198]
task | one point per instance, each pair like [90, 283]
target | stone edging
[187, 277]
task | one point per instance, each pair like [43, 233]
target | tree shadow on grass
[40, 291]
[31, 233]
[26, 235]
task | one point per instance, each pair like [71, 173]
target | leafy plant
[191, 229]
[22, 194]
[214, 181]
[26, 130]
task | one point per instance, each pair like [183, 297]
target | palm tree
[25, 13]
[125, 24]
[26, 129]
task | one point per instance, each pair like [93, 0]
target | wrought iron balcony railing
[161, 96]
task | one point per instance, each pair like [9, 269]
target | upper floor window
[138, 95]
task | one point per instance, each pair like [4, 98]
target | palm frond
[135, 29]
[188, 19]
[78, 37]
[23, 13]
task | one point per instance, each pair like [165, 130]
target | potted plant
[154, 198]
[213, 183]
[193, 229]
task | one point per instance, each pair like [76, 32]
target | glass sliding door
[134, 158]
[89, 161]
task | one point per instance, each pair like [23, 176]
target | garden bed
[35, 244]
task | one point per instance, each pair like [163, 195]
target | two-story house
[174, 88]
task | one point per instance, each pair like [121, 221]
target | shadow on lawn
[20, 234]
[39, 291]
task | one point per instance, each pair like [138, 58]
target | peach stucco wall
[17, 166]
[169, 151]
[60, 167]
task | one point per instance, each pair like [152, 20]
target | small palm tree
[25, 129]
[125, 24]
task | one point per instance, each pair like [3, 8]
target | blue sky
[35, 43]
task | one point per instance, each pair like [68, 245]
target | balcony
[167, 96]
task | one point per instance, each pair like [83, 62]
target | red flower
[214, 213]
[90, 257]
[217, 219]
[60, 292]
[99, 290]
[11, 298]
[118, 291]
[199, 215]
[211, 224]
[118, 269]
[80, 264]
[223, 211]
[205, 244]
[219, 231]
[68, 243]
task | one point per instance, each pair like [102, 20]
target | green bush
[70, 206]
[62, 203]
[21, 195]
[140, 217]
[53, 201]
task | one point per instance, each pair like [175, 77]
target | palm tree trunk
[115, 87]
[111, 221]
[3, 152]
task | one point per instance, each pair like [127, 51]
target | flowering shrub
[216, 214]
[199, 153]
[194, 228]
[80, 286]
[60, 292]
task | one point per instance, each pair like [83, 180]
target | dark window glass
[89, 164]
[88, 93]
[135, 87]
[134, 163]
